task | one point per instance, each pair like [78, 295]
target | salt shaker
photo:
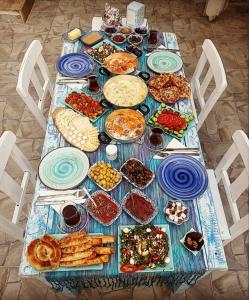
[111, 152]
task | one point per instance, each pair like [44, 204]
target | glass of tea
[93, 85]
[154, 139]
[152, 40]
[70, 214]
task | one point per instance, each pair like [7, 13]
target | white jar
[111, 152]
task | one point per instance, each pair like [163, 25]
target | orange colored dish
[121, 63]
[125, 124]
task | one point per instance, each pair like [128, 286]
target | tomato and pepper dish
[106, 210]
[85, 104]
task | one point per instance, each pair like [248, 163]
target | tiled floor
[47, 21]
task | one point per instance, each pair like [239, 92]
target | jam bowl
[118, 38]
[135, 39]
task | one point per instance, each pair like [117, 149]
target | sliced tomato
[128, 268]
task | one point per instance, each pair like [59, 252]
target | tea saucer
[64, 228]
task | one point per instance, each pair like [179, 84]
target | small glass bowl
[118, 34]
[112, 30]
[126, 30]
[135, 191]
[88, 201]
[142, 29]
[138, 36]
[171, 221]
[195, 252]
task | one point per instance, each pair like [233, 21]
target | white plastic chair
[27, 75]
[233, 190]
[215, 71]
[9, 186]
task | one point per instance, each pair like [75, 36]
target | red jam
[118, 38]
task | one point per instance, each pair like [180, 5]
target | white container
[135, 14]
[111, 152]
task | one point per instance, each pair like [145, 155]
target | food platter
[169, 267]
[125, 91]
[63, 168]
[169, 88]
[141, 208]
[76, 129]
[171, 121]
[85, 105]
[67, 269]
[69, 252]
[107, 210]
[125, 125]
[121, 63]
[102, 50]
[164, 62]
[137, 173]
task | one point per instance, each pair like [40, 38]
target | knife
[166, 154]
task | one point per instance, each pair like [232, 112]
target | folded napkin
[174, 143]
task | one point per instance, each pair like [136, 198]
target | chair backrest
[32, 59]
[234, 190]
[215, 71]
[15, 191]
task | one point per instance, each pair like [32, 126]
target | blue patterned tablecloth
[187, 267]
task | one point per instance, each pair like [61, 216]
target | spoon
[89, 196]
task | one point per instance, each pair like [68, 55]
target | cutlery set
[61, 197]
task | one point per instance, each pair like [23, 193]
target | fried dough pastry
[76, 256]
[86, 262]
[44, 253]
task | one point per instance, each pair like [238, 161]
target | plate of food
[144, 249]
[164, 62]
[171, 121]
[69, 252]
[176, 212]
[140, 207]
[182, 177]
[193, 241]
[169, 88]
[63, 168]
[75, 65]
[104, 175]
[106, 211]
[137, 173]
[86, 105]
[125, 125]
[76, 129]
[102, 50]
[121, 63]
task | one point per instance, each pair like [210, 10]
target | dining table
[188, 268]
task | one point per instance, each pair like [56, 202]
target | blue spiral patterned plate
[63, 168]
[182, 177]
[75, 65]
[164, 62]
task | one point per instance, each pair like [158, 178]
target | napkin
[174, 143]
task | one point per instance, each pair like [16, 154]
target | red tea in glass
[93, 85]
[70, 214]
[156, 137]
[153, 37]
